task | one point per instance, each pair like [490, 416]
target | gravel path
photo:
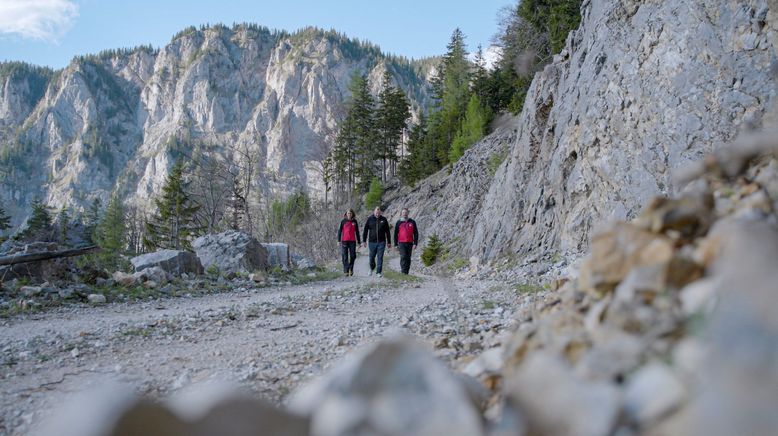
[268, 340]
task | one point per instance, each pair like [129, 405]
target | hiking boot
[379, 275]
[351, 273]
[370, 273]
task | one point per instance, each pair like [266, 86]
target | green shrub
[431, 252]
[373, 197]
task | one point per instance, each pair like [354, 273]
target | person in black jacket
[348, 237]
[377, 237]
[406, 237]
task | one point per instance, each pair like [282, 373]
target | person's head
[350, 214]
[377, 212]
[404, 213]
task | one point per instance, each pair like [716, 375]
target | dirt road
[268, 340]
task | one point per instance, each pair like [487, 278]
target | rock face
[640, 89]
[171, 261]
[118, 120]
[231, 252]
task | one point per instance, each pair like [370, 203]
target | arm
[356, 226]
[364, 234]
[415, 234]
[396, 231]
[340, 230]
[388, 234]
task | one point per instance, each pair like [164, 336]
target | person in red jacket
[348, 237]
[406, 237]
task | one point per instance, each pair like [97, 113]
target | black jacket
[415, 231]
[377, 230]
[356, 230]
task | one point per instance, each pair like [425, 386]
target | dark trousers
[406, 249]
[348, 252]
[377, 251]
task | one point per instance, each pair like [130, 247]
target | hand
[389, 245]
[414, 247]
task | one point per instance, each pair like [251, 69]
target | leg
[352, 248]
[405, 257]
[380, 263]
[344, 255]
[373, 249]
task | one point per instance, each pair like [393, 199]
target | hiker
[348, 237]
[406, 237]
[377, 237]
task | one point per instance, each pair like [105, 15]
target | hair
[353, 214]
[405, 208]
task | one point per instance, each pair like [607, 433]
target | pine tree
[431, 251]
[419, 160]
[373, 197]
[91, 218]
[355, 151]
[473, 129]
[173, 224]
[453, 95]
[111, 235]
[391, 115]
[38, 226]
[5, 220]
[63, 221]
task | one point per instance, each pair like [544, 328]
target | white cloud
[44, 20]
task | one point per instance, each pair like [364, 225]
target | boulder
[124, 279]
[395, 387]
[302, 262]
[171, 261]
[278, 255]
[231, 251]
[557, 402]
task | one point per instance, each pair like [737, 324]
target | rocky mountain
[116, 121]
[640, 90]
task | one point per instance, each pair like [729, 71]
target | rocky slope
[640, 89]
[116, 121]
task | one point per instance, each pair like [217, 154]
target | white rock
[652, 392]
[96, 298]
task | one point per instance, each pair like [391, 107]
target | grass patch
[528, 288]
[397, 277]
[458, 264]
[488, 304]
[495, 160]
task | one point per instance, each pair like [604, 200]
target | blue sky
[51, 32]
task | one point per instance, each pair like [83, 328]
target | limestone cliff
[115, 122]
[641, 88]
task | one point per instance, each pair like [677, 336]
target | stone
[488, 362]
[155, 274]
[231, 252]
[151, 284]
[278, 255]
[257, 277]
[30, 291]
[698, 297]
[553, 400]
[96, 298]
[738, 369]
[171, 261]
[652, 393]
[394, 387]
[124, 279]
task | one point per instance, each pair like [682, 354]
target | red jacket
[349, 231]
[406, 232]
